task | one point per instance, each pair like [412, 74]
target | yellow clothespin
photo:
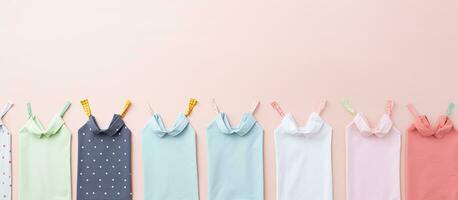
[125, 108]
[192, 103]
[86, 107]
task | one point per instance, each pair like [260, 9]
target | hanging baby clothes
[5, 153]
[169, 159]
[44, 159]
[373, 158]
[432, 158]
[304, 166]
[235, 158]
[104, 159]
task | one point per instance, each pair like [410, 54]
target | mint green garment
[169, 160]
[44, 159]
[235, 159]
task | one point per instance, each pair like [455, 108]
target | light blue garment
[235, 159]
[169, 160]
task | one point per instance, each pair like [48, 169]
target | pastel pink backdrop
[298, 52]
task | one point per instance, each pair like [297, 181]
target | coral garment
[373, 159]
[431, 159]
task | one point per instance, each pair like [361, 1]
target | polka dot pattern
[5, 157]
[104, 161]
[5, 163]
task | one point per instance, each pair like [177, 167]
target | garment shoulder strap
[347, 107]
[5, 109]
[191, 104]
[65, 108]
[323, 105]
[150, 109]
[413, 110]
[29, 110]
[125, 108]
[450, 108]
[255, 106]
[277, 108]
[215, 106]
[389, 107]
[86, 107]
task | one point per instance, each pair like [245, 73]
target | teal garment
[235, 159]
[169, 160]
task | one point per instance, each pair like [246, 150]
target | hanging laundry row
[235, 158]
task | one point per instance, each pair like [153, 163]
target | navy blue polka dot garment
[104, 156]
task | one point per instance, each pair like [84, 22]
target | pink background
[163, 52]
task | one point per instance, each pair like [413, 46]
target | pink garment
[432, 159]
[373, 159]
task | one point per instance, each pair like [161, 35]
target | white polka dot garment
[5, 157]
[104, 161]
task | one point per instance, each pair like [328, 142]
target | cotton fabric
[5, 154]
[44, 159]
[235, 159]
[432, 160]
[169, 160]
[304, 166]
[104, 156]
[373, 159]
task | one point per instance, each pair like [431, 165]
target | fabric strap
[125, 108]
[61, 113]
[450, 108]
[389, 107]
[277, 108]
[86, 107]
[412, 110]
[255, 106]
[29, 110]
[65, 108]
[215, 106]
[322, 106]
[347, 107]
[192, 103]
[150, 109]
[5, 109]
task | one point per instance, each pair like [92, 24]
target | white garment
[304, 163]
[5, 157]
